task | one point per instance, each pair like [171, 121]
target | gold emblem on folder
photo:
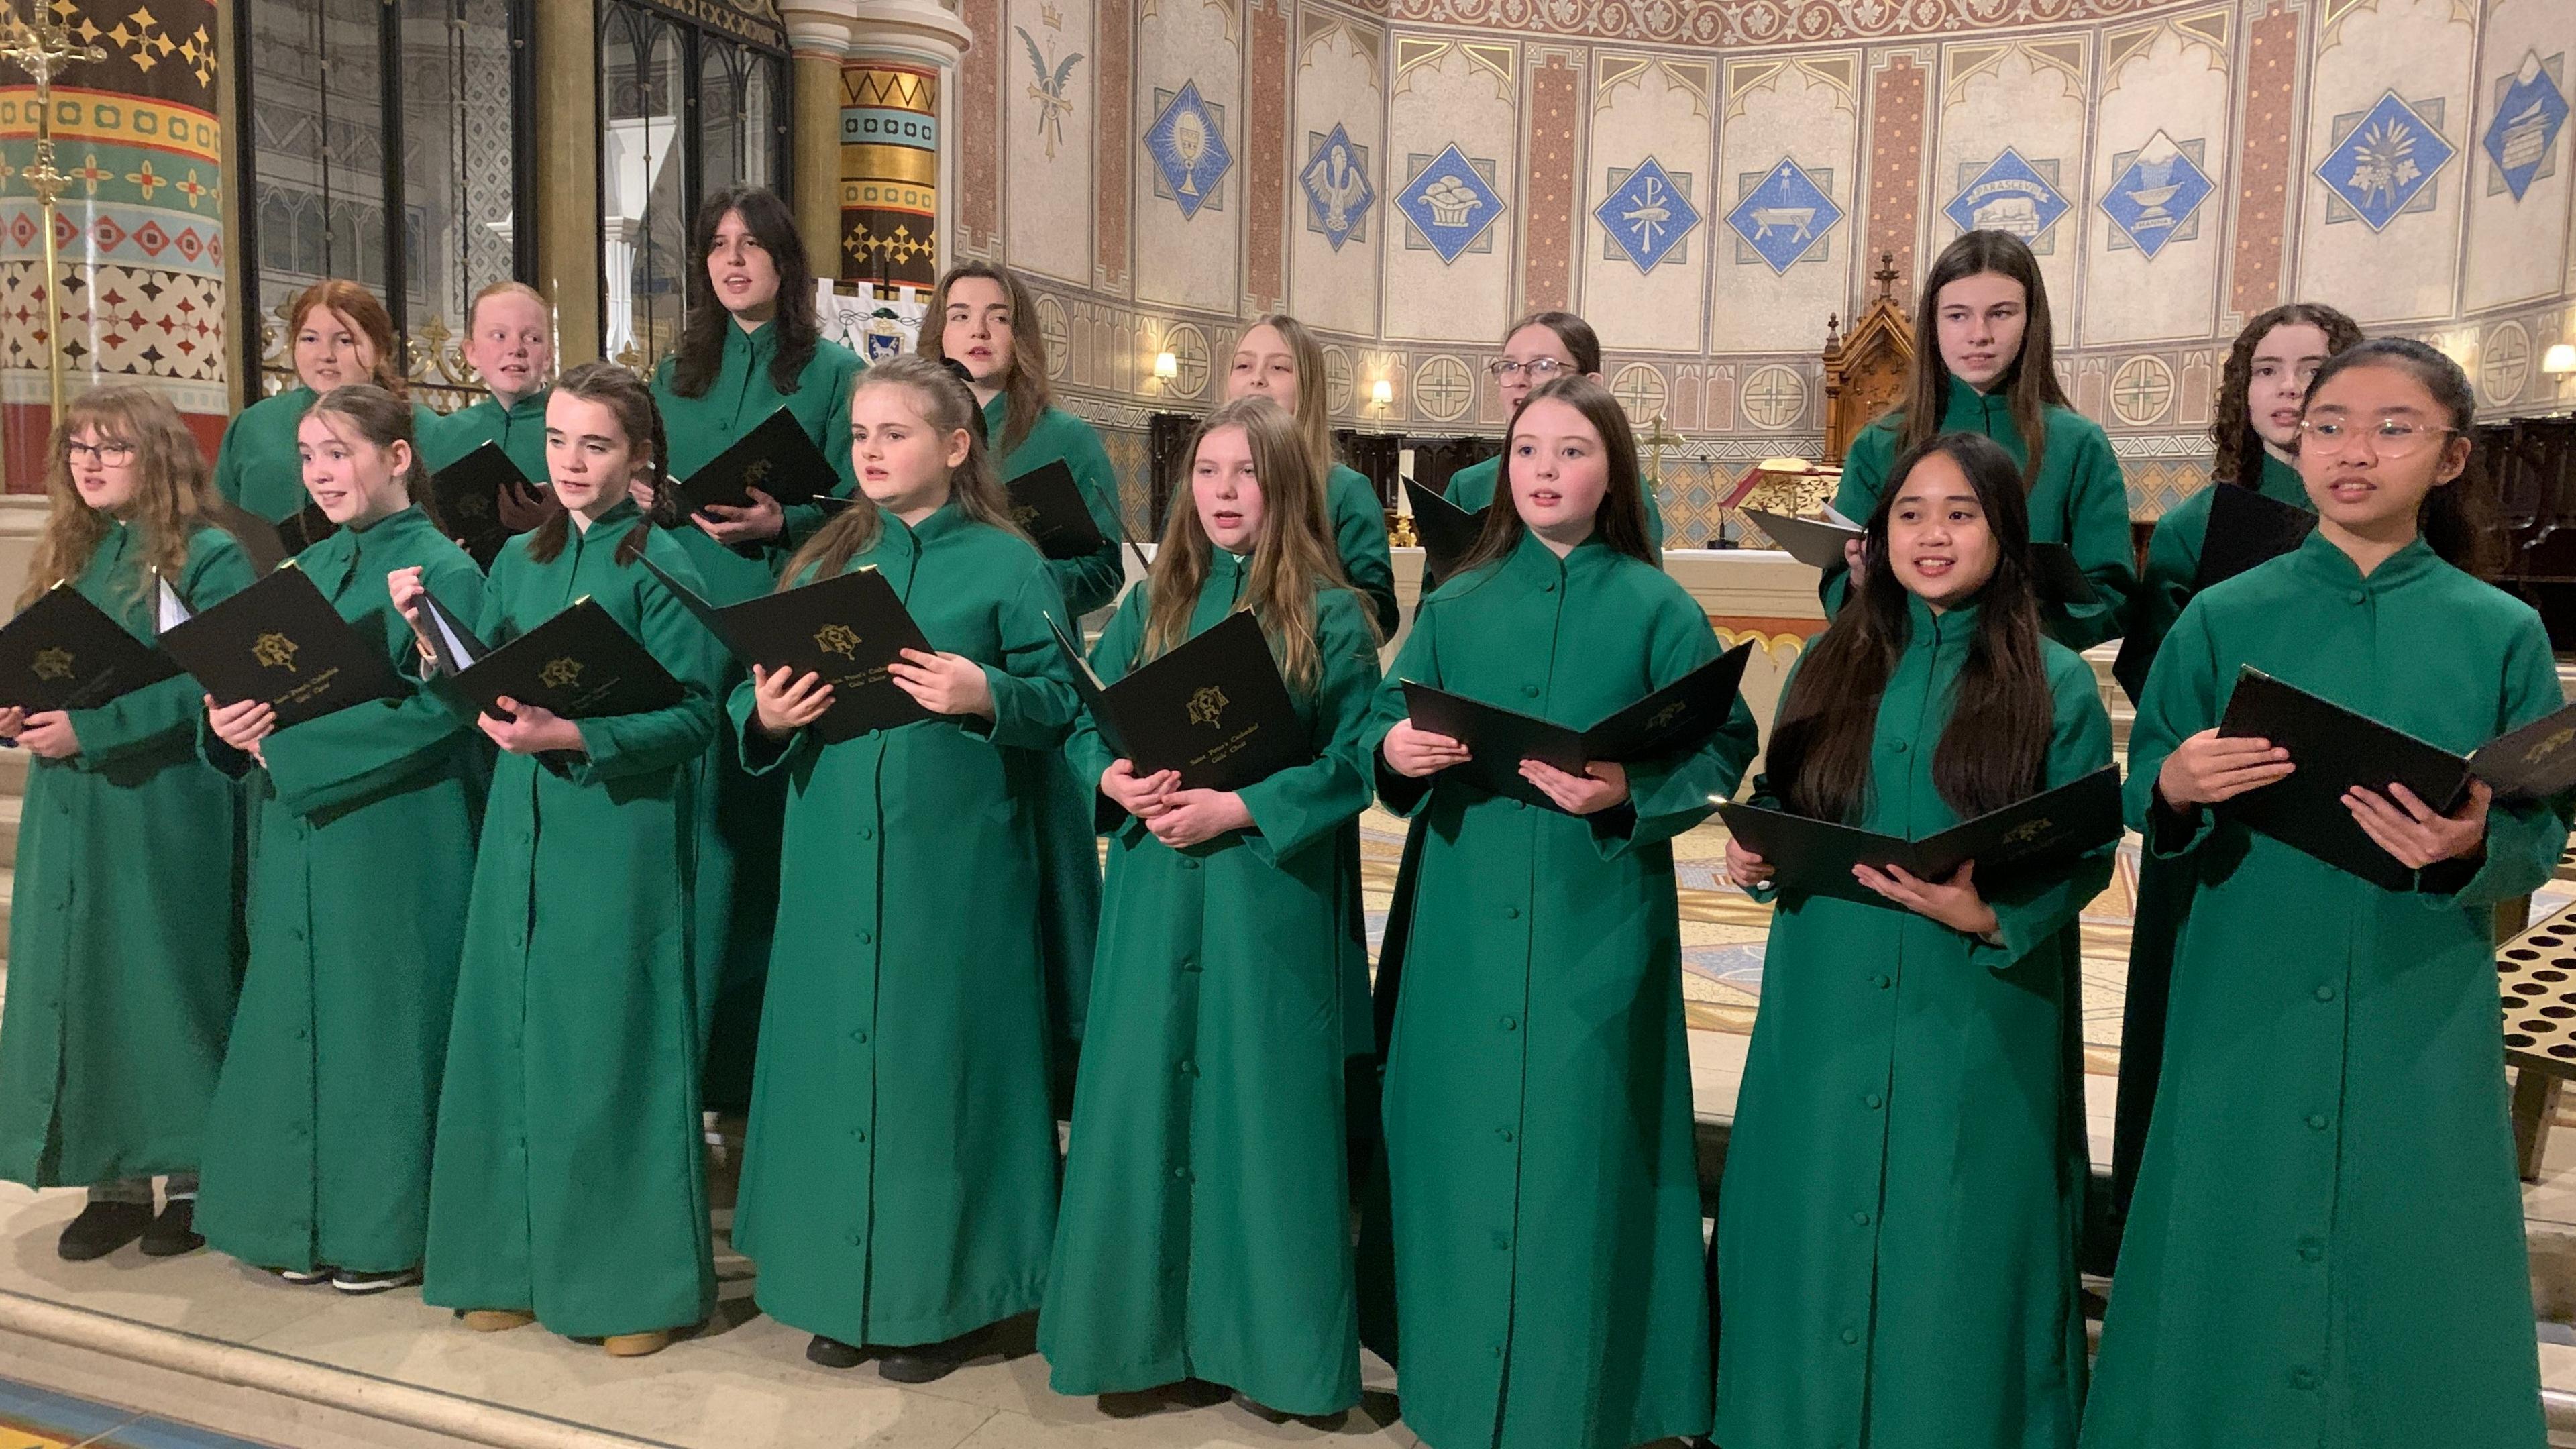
[1025, 517]
[2028, 831]
[757, 474]
[274, 651]
[2552, 744]
[838, 639]
[52, 664]
[560, 673]
[1207, 707]
[1665, 716]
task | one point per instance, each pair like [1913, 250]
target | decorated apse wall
[1709, 180]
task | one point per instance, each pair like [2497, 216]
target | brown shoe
[495, 1320]
[636, 1345]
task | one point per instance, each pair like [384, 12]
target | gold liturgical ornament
[43, 48]
[274, 651]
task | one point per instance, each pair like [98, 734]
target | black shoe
[174, 1232]
[831, 1353]
[925, 1363]
[102, 1228]
[357, 1283]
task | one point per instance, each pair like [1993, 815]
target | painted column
[896, 57]
[138, 225]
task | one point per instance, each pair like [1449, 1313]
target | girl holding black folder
[510, 344]
[2326, 1244]
[125, 943]
[1276, 358]
[1205, 1231]
[984, 317]
[2256, 438]
[318, 1143]
[899, 1186]
[568, 1185]
[338, 334]
[1545, 1202]
[1896, 1242]
[751, 343]
[1992, 370]
[1537, 349]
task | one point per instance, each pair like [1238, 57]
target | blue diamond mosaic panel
[1647, 214]
[1449, 203]
[2157, 192]
[2391, 154]
[1187, 142]
[2009, 195]
[1785, 216]
[1338, 193]
[2528, 116]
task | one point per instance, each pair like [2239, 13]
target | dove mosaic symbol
[1338, 193]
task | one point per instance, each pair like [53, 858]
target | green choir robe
[569, 1176]
[1896, 1231]
[899, 1184]
[1068, 848]
[520, 429]
[1472, 487]
[361, 854]
[125, 946]
[1358, 523]
[737, 871]
[2079, 500]
[257, 468]
[2164, 886]
[2326, 1245]
[1537, 1101]
[1205, 1231]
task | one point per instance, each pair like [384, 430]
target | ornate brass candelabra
[43, 48]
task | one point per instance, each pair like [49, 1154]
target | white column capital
[927, 32]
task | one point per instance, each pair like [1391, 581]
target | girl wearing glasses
[1539, 349]
[2256, 439]
[1994, 372]
[2329, 1087]
[125, 947]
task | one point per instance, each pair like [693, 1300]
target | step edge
[433, 1411]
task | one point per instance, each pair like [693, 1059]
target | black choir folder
[1047, 505]
[1448, 532]
[2336, 749]
[849, 629]
[1215, 709]
[281, 643]
[1680, 714]
[1818, 543]
[579, 664]
[64, 652]
[2245, 528]
[1815, 857]
[466, 499]
[776, 457]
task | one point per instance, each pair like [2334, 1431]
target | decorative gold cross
[43, 48]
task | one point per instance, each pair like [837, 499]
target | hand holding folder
[1214, 709]
[578, 665]
[63, 652]
[849, 629]
[281, 643]
[2050, 829]
[1679, 715]
[476, 498]
[776, 457]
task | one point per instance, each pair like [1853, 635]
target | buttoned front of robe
[125, 945]
[569, 1177]
[899, 1186]
[520, 429]
[2326, 1246]
[1472, 487]
[2164, 886]
[737, 871]
[257, 468]
[1548, 1276]
[2078, 500]
[1205, 1231]
[1068, 848]
[361, 856]
[1896, 1230]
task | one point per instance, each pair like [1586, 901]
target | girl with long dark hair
[1896, 1247]
[1543, 1203]
[2326, 1245]
[1985, 362]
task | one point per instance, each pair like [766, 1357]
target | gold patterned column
[814, 191]
[889, 173]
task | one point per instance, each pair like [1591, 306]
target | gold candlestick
[43, 48]
[1657, 438]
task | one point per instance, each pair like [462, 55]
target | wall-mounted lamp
[1381, 393]
[1166, 368]
[2559, 360]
